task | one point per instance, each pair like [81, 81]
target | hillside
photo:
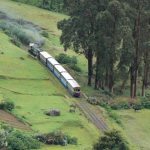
[35, 89]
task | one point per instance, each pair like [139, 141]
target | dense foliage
[116, 32]
[3, 138]
[6, 105]
[16, 140]
[57, 138]
[70, 61]
[53, 5]
[111, 141]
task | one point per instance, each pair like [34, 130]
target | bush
[120, 104]
[64, 59]
[111, 141]
[45, 34]
[75, 68]
[7, 106]
[72, 140]
[3, 137]
[18, 141]
[56, 138]
[70, 61]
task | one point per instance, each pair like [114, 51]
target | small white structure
[64, 77]
[58, 69]
[51, 62]
[44, 56]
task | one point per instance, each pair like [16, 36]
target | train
[56, 68]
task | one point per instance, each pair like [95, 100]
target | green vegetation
[57, 138]
[19, 141]
[136, 127]
[119, 41]
[37, 90]
[111, 141]
[6, 105]
[53, 5]
[70, 61]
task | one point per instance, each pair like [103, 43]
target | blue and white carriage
[64, 77]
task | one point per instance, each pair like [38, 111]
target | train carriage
[58, 69]
[51, 62]
[73, 87]
[64, 77]
[44, 56]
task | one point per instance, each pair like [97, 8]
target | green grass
[136, 127]
[34, 89]
[37, 96]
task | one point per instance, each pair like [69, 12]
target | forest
[116, 34]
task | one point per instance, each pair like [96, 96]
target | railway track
[92, 115]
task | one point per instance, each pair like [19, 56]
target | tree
[111, 141]
[80, 29]
[136, 10]
[111, 37]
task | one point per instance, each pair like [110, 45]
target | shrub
[56, 138]
[120, 104]
[111, 141]
[75, 68]
[45, 34]
[18, 141]
[3, 137]
[72, 140]
[70, 61]
[63, 58]
[7, 105]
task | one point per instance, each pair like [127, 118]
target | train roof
[73, 83]
[53, 61]
[60, 68]
[66, 75]
[45, 54]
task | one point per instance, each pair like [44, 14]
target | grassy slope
[137, 127]
[35, 96]
[132, 127]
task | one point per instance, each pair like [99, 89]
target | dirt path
[92, 115]
[13, 121]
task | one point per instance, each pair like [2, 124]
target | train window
[77, 90]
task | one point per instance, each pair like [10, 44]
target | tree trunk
[90, 67]
[132, 82]
[135, 64]
[97, 76]
[111, 77]
[145, 74]
[107, 78]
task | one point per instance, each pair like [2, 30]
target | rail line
[92, 116]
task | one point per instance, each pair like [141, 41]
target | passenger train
[64, 77]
